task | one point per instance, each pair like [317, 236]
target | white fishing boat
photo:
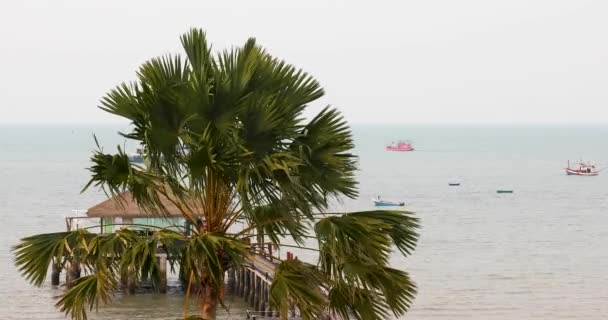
[582, 169]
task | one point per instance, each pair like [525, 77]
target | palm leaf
[354, 254]
[200, 253]
[347, 300]
[275, 221]
[402, 227]
[295, 281]
[329, 167]
[87, 292]
[34, 254]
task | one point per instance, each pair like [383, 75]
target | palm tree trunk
[209, 302]
[284, 312]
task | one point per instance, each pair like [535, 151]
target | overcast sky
[421, 61]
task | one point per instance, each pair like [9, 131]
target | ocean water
[539, 253]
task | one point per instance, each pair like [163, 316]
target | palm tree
[226, 141]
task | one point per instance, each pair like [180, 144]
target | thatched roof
[128, 208]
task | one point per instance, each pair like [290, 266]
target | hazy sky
[400, 62]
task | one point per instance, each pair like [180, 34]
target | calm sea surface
[540, 253]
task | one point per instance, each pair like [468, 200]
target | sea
[538, 253]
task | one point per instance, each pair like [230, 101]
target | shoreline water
[536, 254]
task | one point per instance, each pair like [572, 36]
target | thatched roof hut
[128, 208]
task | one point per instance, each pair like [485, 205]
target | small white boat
[137, 157]
[383, 203]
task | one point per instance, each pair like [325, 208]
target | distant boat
[400, 146]
[137, 157]
[454, 184]
[382, 203]
[584, 169]
[504, 191]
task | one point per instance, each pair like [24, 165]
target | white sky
[419, 61]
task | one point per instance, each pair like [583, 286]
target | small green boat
[504, 191]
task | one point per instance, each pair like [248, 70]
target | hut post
[126, 221]
[162, 268]
[72, 274]
[55, 273]
[292, 309]
[131, 280]
[124, 279]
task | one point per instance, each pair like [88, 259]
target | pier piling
[131, 280]
[162, 268]
[266, 292]
[257, 294]
[242, 283]
[251, 298]
[247, 284]
[72, 274]
[231, 281]
[55, 274]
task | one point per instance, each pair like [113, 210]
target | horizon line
[484, 123]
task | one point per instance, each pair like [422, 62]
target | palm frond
[114, 175]
[34, 255]
[399, 291]
[109, 171]
[87, 293]
[141, 254]
[402, 227]
[200, 254]
[347, 300]
[354, 254]
[329, 167]
[275, 220]
[198, 52]
[122, 101]
[344, 237]
[392, 288]
[297, 282]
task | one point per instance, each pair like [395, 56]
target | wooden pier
[251, 282]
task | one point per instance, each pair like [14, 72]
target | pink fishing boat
[400, 146]
[584, 169]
